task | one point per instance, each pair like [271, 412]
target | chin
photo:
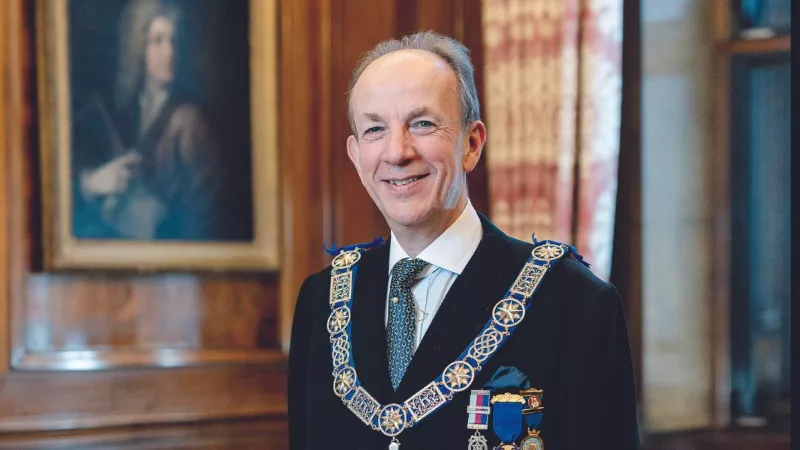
[165, 77]
[407, 217]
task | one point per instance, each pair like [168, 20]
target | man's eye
[423, 124]
[373, 130]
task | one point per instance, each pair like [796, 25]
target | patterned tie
[400, 333]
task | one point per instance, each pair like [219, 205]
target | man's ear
[352, 152]
[474, 141]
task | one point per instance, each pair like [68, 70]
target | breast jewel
[393, 419]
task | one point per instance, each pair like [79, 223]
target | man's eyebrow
[413, 114]
[421, 111]
[375, 117]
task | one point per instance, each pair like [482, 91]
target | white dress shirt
[447, 256]
[150, 106]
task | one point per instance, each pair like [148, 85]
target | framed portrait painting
[158, 132]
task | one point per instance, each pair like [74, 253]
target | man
[364, 356]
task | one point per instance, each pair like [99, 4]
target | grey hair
[454, 53]
[133, 31]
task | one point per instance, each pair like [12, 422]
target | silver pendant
[395, 444]
[478, 442]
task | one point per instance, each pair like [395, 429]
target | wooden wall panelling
[121, 318]
[7, 138]
[17, 62]
[115, 320]
[304, 151]
[356, 217]
[468, 28]
[33, 401]
[230, 330]
[224, 435]
[437, 16]
[719, 145]
[223, 325]
[626, 272]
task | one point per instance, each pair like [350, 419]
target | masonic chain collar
[393, 419]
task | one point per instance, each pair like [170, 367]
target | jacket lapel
[465, 309]
[368, 330]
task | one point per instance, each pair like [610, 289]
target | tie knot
[406, 271]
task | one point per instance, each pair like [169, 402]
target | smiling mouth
[405, 181]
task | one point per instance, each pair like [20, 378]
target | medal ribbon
[533, 420]
[533, 411]
[478, 410]
[507, 421]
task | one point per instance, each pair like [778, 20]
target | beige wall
[677, 352]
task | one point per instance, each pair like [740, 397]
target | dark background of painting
[215, 63]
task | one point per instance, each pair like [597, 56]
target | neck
[414, 239]
[152, 86]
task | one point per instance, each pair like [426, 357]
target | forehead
[160, 24]
[404, 75]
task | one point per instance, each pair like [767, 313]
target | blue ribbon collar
[393, 419]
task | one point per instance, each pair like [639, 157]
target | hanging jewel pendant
[478, 442]
[395, 444]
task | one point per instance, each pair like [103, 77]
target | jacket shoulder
[316, 282]
[570, 280]
[321, 280]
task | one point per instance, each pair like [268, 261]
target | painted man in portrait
[147, 164]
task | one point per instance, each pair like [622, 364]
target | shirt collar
[452, 250]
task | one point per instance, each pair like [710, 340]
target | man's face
[411, 153]
[160, 51]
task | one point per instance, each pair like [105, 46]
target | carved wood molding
[240, 434]
[82, 360]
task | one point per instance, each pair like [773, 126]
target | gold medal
[532, 442]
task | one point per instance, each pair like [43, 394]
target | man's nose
[399, 148]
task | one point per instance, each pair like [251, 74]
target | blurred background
[653, 134]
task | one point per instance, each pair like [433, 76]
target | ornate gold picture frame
[158, 132]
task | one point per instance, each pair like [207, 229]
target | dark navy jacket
[573, 344]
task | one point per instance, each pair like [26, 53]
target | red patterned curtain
[553, 91]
